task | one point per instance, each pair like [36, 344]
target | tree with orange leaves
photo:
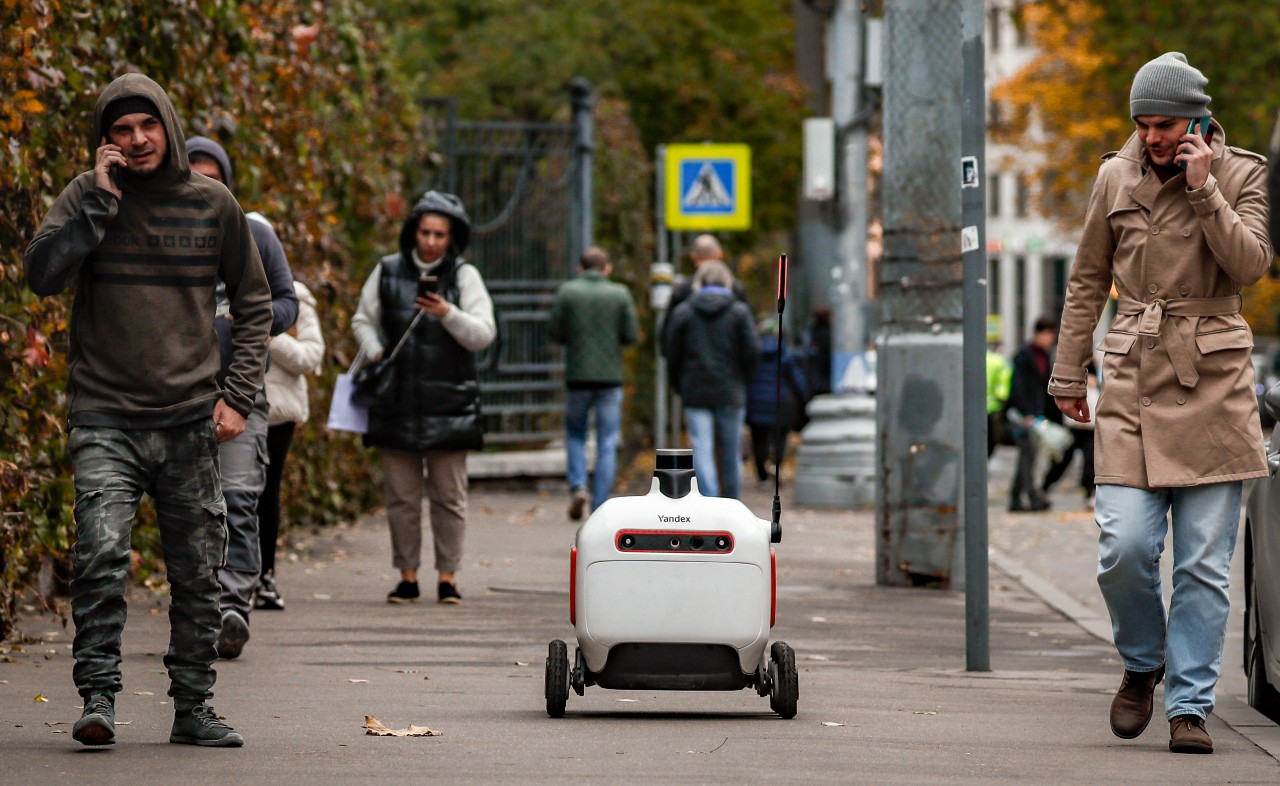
[1070, 101]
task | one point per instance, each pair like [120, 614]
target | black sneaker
[447, 592]
[233, 636]
[97, 725]
[267, 596]
[200, 725]
[405, 592]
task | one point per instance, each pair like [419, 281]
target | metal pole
[451, 143]
[677, 408]
[583, 100]
[660, 383]
[972, 144]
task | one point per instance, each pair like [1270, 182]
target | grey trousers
[244, 476]
[446, 489]
[178, 468]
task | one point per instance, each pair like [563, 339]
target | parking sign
[708, 187]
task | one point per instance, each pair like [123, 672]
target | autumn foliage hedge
[321, 135]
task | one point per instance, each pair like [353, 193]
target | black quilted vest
[436, 400]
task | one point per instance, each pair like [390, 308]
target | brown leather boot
[1187, 734]
[1131, 707]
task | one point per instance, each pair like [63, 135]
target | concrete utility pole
[835, 462]
[920, 411]
[849, 275]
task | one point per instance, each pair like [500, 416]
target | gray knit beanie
[1170, 87]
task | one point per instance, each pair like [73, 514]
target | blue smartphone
[1203, 123]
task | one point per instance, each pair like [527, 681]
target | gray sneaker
[233, 636]
[200, 725]
[97, 726]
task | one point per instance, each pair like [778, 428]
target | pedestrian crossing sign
[708, 187]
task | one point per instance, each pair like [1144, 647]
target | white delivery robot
[674, 591]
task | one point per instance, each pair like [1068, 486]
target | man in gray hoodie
[142, 241]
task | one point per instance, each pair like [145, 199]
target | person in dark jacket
[711, 353]
[704, 248]
[763, 414]
[594, 318]
[242, 461]
[1028, 401]
[816, 351]
[143, 239]
[431, 416]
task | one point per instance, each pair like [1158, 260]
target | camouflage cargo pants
[178, 468]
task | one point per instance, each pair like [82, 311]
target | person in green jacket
[594, 318]
[999, 378]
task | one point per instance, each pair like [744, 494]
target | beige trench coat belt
[1153, 323]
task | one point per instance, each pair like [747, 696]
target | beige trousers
[446, 488]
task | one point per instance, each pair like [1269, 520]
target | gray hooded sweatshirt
[143, 352]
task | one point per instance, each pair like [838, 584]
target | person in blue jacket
[243, 464]
[763, 413]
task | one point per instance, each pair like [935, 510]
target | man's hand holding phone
[110, 160]
[1194, 153]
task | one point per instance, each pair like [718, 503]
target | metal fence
[519, 183]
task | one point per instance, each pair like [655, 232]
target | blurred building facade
[1027, 256]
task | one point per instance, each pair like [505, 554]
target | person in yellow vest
[999, 378]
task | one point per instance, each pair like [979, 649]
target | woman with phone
[433, 299]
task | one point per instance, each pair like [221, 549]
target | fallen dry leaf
[374, 727]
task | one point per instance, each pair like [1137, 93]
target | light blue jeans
[607, 405]
[1189, 640]
[716, 433]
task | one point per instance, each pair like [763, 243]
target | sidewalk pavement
[884, 695]
[1055, 554]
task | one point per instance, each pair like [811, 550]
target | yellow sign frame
[718, 159]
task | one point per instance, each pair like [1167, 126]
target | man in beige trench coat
[1178, 223]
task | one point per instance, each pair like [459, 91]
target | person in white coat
[294, 355]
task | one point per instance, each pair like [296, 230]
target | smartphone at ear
[1201, 126]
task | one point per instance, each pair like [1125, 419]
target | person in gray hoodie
[142, 240]
[244, 461]
[711, 355]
